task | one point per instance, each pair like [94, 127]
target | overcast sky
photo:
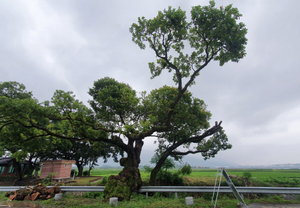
[69, 44]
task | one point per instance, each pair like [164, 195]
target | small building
[61, 168]
[7, 168]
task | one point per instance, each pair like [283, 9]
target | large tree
[33, 144]
[121, 118]
[12, 138]
[185, 48]
[64, 107]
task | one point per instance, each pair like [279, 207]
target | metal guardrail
[223, 189]
[177, 189]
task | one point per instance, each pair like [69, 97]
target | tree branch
[114, 141]
[187, 152]
[197, 139]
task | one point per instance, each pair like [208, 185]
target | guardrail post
[146, 195]
[113, 201]
[175, 195]
[189, 200]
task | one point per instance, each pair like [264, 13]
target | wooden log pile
[32, 193]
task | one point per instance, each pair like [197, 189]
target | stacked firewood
[32, 193]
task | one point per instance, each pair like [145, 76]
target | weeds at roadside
[95, 199]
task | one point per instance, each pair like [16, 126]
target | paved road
[260, 205]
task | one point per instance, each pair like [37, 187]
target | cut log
[34, 196]
[12, 197]
[19, 197]
[37, 192]
[44, 196]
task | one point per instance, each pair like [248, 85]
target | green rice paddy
[260, 177]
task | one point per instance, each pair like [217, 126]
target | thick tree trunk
[17, 169]
[157, 168]
[90, 168]
[31, 168]
[79, 167]
[129, 179]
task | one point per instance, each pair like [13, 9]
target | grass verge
[95, 199]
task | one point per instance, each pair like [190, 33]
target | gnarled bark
[129, 179]
[79, 167]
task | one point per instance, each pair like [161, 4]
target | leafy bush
[72, 172]
[247, 175]
[85, 173]
[104, 180]
[177, 180]
[147, 168]
[169, 179]
[48, 179]
[186, 169]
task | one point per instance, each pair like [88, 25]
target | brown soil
[27, 181]
[30, 181]
[96, 179]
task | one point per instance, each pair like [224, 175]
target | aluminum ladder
[221, 171]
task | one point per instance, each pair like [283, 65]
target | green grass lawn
[105, 171]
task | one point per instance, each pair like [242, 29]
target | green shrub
[147, 168]
[186, 169]
[48, 179]
[72, 172]
[169, 179]
[177, 180]
[104, 180]
[85, 173]
[247, 175]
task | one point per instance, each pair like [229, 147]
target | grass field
[259, 173]
[260, 177]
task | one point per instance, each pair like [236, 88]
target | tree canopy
[29, 129]
[184, 48]
[211, 34]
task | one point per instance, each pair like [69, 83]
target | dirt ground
[25, 182]
[31, 181]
